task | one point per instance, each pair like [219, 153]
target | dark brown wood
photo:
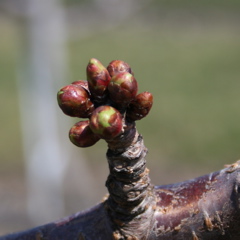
[203, 208]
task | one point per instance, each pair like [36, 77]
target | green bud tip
[120, 80]
[97, 63]
[104, 117]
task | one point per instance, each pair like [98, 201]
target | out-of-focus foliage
[71, 2]
[176, 4]
[204, 3]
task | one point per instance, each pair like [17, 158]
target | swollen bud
[118, 66]
[140, 106]
[106, 122]
[81, 83]
[98, 79]
[81, 135]
[75, 101]
[123, 88]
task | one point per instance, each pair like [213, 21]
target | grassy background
[188, 56]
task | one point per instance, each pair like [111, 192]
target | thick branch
[203, 208]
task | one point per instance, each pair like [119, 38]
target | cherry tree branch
[206, 207]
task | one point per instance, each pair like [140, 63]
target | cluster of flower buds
[107, 99]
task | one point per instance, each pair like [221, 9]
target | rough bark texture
[131, 203]
[199, 209]
[202, 208]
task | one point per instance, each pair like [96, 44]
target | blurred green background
[187, 53]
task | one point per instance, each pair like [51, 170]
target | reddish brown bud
[123, 88]
[98, 79]
[81, 135]
[74, 101]
[106, 122]
[82, 83]
[140, 106]
[118, 66]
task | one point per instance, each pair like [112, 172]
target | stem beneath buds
[131, 204]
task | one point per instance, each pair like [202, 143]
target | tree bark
[203, 208]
